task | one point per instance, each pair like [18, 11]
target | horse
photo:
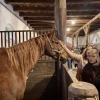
[17, 61]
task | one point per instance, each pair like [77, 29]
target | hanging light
[73, 22]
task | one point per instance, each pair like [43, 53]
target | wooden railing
[10, 38]
[97, 45]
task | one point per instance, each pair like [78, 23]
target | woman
[80, 58]
[91, 71]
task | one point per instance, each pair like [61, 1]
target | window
[95, 40]
[9, 27]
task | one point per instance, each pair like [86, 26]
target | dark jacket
[89, 73]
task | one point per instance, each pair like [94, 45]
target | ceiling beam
[83, 2]
[39, 22]
[28, 1]
[51, 18]
[28, 14]
[38, 18]
[52, 1]
[42, 28]
[68, 21]
[81, 24]
[33, 9]
[51, 9]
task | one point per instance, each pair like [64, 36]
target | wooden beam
[82, 13]
[39, 22]
[81, 24]
[51, 18]
[42, 25]
[68, 21]
[92, 20]
[51, 9]
[28, 1]
[29, 14]
[30, 9]
[69, 14]
[42, 28]
[37, 18]
[83, 1]
[80, 16]
[84, 7]
[52, 1]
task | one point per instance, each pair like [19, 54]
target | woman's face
[92, 58]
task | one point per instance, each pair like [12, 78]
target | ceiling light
[73, 22]
[68, 29]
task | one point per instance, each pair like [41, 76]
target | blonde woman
[91, 71]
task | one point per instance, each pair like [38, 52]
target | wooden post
[60, 18]
[82, 91]
[86, 30]
[73, 40]
[86, 39]
[77, 39]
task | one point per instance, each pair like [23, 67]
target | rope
[54, 50]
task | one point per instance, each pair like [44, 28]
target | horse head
[54, 48]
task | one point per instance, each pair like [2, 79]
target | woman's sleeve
[72, 55]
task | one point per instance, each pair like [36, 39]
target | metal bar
[12, 39]
[19, 38]
[23, 37]
[26, 35]
[5, 38]
[30, 35]
[15, 37]
[8, 39]
[1, 39]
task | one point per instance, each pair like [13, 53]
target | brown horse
[17, 61]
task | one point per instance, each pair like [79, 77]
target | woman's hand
[62, 44]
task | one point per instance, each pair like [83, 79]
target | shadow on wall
[43, 90]
[9, 27]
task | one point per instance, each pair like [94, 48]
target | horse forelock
[26, 54]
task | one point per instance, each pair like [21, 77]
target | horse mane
[25, 54]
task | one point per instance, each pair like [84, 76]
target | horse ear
[51, 33]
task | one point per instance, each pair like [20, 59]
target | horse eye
[55, 42]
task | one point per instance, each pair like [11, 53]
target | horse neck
[25, 55]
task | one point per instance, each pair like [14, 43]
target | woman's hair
[87, 48]
[84, 53]
[94, 51]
